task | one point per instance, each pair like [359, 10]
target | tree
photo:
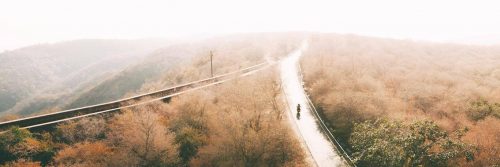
[189, 140]
[85, 129]
[239, 143]
[190, 124]
[19, 143]
[142, 140]
[481, 108]
[486, 137]
[245, 127]
[23, 163]
[84, 154]
[9, 140]
[392, 143]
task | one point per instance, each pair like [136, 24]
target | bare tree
[141, 136]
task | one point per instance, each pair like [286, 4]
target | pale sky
[27, 22]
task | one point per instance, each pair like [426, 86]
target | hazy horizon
[27, 22]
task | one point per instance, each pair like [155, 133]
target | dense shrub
[393, 143]
[480, 109]
[19, 144]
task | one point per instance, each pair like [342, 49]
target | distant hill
[61, 67]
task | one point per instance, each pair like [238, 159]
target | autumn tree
[85, 129]
[486, 137]
[142, 140]
[22, 163]
[240, 141]
[248, 129]
[84, 154]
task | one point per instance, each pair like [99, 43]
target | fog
[27, 22]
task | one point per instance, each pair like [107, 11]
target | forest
[407, 103]
[188, 131]
[185, 131]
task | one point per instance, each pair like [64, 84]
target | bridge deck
[39, 121]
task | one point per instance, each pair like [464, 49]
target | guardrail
[325, 128]
[39, 121]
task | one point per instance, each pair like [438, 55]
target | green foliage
[8, 140]
[191, 129]
[393, 143]
[189, 140]
[46, 148]
[19, 143]
[481, 108]
[341, 118]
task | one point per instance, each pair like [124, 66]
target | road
[319, 147]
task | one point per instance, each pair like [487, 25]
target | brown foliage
[486, 135]
[248, 129]
[240, 144]
[8, 117]
[23, 163]
[85, 129]
[141, 136]
[354, 78]
[84, 154]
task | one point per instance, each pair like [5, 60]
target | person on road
[298, 111]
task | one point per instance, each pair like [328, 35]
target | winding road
[306, 125]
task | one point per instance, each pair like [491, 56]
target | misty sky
[27, 22]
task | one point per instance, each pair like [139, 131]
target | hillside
[364, 84]
[55, 68]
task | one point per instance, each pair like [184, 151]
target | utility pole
[211, 65]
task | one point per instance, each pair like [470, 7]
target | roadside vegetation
[405, 103]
